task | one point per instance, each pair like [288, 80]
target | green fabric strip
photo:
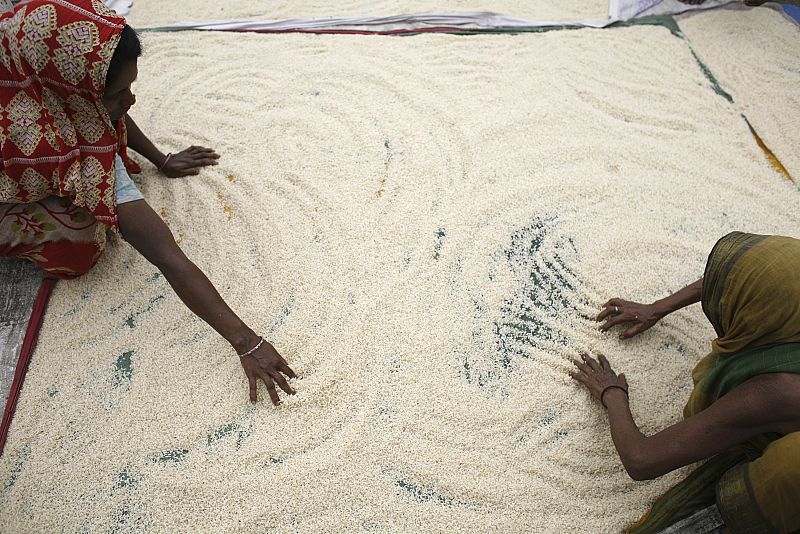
[731, 370]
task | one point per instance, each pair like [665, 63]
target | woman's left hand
[597, 375]
[189, 162]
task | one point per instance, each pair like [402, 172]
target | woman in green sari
[743, 416]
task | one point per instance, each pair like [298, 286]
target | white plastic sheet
[630, 9]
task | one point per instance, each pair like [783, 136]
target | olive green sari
[751, 295]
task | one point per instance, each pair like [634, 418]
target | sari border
[737, 504]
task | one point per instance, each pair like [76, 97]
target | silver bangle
[251, 351]
[166, 160]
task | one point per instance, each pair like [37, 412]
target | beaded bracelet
[611, 387]
[251, 351]
[166, 160]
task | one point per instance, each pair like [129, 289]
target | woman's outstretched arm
[766, 403]
[148, 234]
[618, 311]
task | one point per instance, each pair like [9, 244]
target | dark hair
[128, 49]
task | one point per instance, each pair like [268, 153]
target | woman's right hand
[618, 311]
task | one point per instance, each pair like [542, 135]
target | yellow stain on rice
[771, 157]
[225, 207]
[382, 181]
[231, 178]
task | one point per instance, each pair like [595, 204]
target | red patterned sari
[57, 141]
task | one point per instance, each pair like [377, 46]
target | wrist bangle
[166, 160]
[611, 387]
[251, 351]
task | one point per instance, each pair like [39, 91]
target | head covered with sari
[56, 136]
[751, 296]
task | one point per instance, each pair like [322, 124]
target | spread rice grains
[424, 227]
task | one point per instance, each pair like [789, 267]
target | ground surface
[19, 282]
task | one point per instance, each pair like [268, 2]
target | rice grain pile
[148, 13]
[755, 56]
[424, 228]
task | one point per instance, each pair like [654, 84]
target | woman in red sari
[66, 69]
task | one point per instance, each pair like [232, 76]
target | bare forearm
[763, 404]
[139, 142]
[686, 296]
[647, 457]
[628, 440]
[202, 298]
[148, 234]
